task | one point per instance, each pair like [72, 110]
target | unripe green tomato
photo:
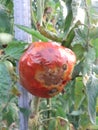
[5, 38]
[9, 66]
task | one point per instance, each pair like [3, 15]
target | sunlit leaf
[88, 2]
[51, 28]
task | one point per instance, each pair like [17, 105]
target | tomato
[9, 66]
[5, 38]
[45, 68]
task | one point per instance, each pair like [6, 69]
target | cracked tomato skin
[45, 68]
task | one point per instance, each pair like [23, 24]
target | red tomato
[45, 68]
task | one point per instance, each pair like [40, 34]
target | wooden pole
[22, 16]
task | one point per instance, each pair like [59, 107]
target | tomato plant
[52, 21]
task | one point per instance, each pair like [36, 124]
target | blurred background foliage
[73, 24]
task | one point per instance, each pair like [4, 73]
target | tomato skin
[45, 68]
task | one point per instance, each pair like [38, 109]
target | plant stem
[88, 23]
[48, 119]
[40, 10]
[48, 34]
[49, 107]
[36, 104]
[48, 112]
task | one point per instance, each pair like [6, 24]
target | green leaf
[90, 57]
[15, 49]
[77, 69]
[10, 113]
[33, 32]
[60, 112]
[68, 38]
[92, 93]
[95, 43]
[81, 35]
[51, 125]
[62, 124]
[89, 2]
[94, 33]
[51, 28]
[84, 120]
[69, 96]
[79, 51]
[5, 83]
[5, 25]
[95, 69]
[74, 119]
[25, 111]
[69, 16]
[79, 95]
[76, 113]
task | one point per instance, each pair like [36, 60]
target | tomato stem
[48, 112]
[36, 104]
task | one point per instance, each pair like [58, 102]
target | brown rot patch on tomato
[53, 91]
[52, 76]
[64, 67]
